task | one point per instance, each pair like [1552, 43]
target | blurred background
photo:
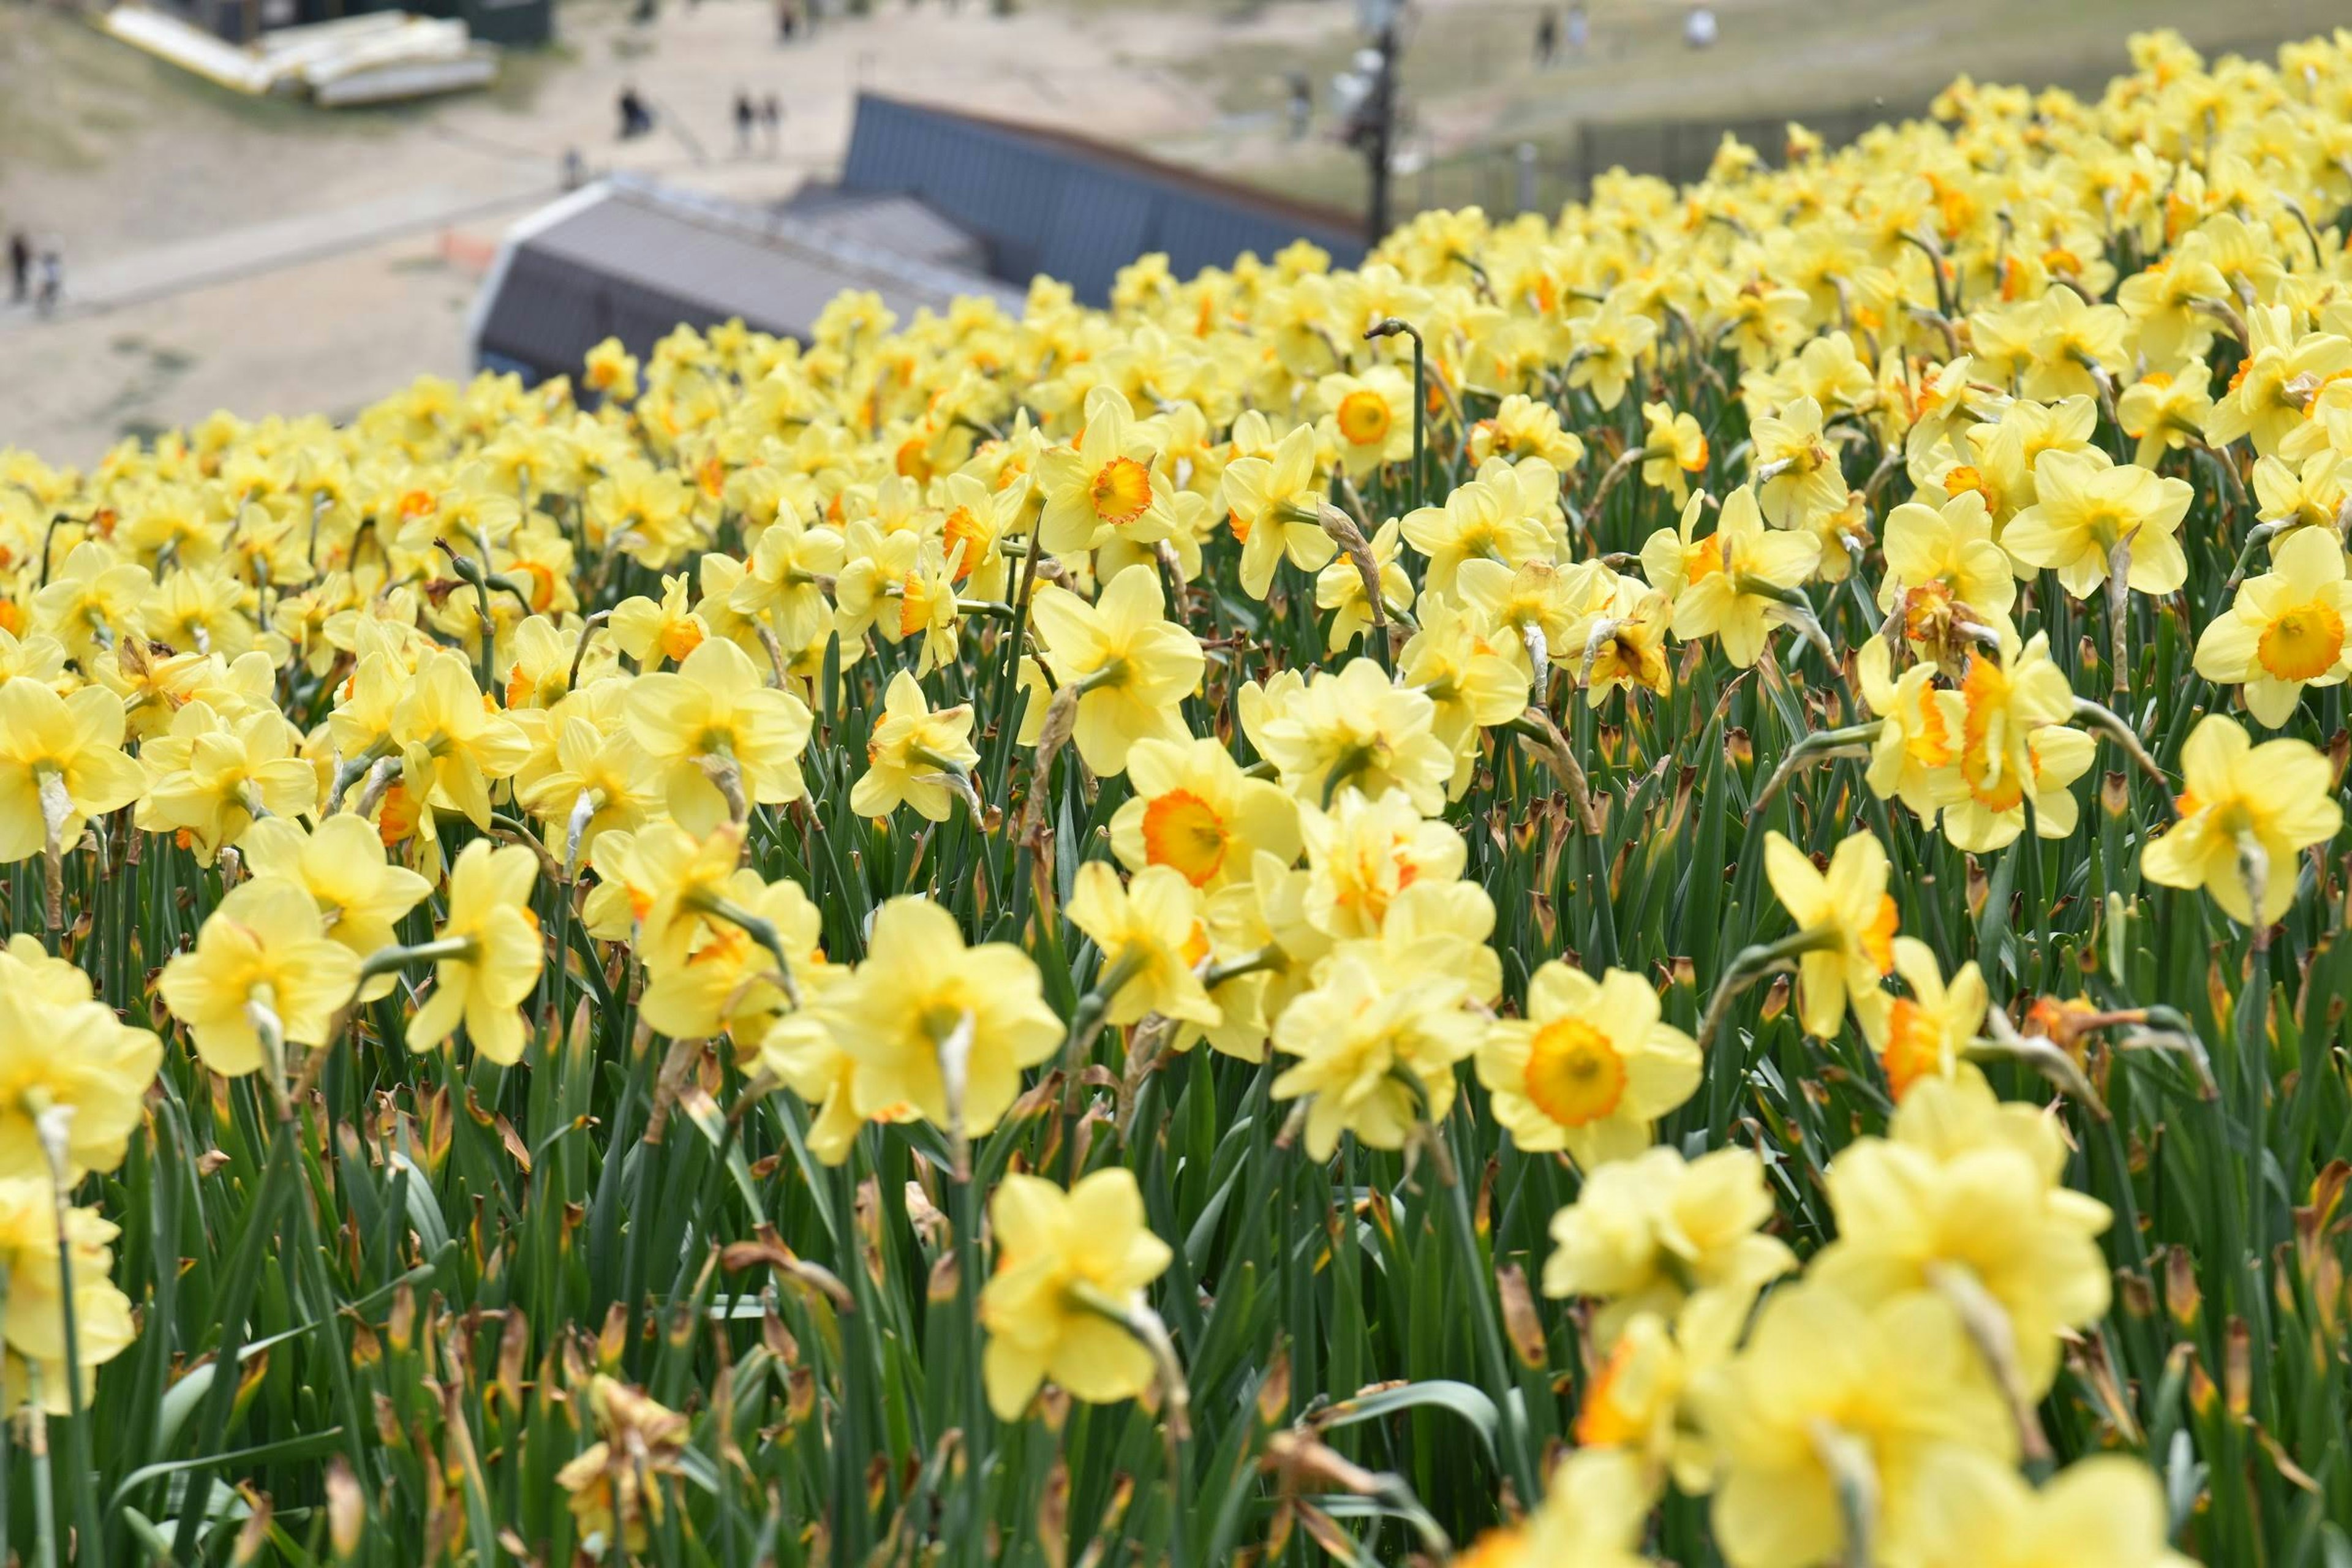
[300, 206]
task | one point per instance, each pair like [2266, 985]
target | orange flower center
[395, 816]
[1964, 478]
[1363, 417]
[1574, 1073]
[914, 605]
[1121, 491]
[679, 638]
[2303, 644]
[1602, 1423]
[1181, 830]
[1878, 936]
[964, 529]
[1914, 1048]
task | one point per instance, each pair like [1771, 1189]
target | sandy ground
[266, 257]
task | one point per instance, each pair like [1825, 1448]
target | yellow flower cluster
[1211, 612]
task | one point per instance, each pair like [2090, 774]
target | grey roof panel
[894, 222]
[633, 260]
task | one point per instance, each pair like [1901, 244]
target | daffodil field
[1660, 886]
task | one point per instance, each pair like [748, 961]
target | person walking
[1547, 37]
[772, 121]
[746, 117]
[1580, 30]
[20, 266]
[53, 281]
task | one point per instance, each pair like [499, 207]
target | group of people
[766, 116]
[37, 276]
[1549, 34]
[1698, 32]
[757, 119]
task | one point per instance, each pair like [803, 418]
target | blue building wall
[1048, 204]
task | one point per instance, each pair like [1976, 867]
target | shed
[1051, 202]
[628, 259]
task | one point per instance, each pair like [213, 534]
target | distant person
[772, 121]
[53, 281]
[635, 118]
[746, 119]
[1580, 30]
[788, 22]
[20, 266]
[1302, 105]
[1698, 27]
[575, 169]
[1547, 36]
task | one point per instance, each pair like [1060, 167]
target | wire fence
[1542, 174]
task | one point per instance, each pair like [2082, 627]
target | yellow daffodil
[1673, 447]
[43, 1286]
[341, 863]
[937, 1026]
[1736, 584]
[1950, 548]
[2014, 747]
[1607, 348]
[61, 764]
[1368, 418]
[1363, 852]
[2087, 511]
[1195, 812]
[1488, 518]
[1274, 507]
[1649, 1233]
[214, 781]
[262, 959]
[1355, 729]
[1106, 481]
[1847, 913]
[64, 1053]
[726, 980]
[1069, 1266]
[1830, 1398]
[1972, 1511]
[2284, 630]
[1376, 1052]
[495, 957]
[1153, 940]
[1966, 1196]
[712, 726]
[453, 742]
[1589, 1068]
[2247, 813]
[1131, 666]
[913, 755]
[1923, 1035]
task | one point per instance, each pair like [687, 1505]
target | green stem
[244, 1273]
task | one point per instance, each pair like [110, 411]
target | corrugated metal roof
[630, 259]
[1052, 203]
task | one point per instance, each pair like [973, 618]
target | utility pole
[1367, 96]
[1382, 110]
